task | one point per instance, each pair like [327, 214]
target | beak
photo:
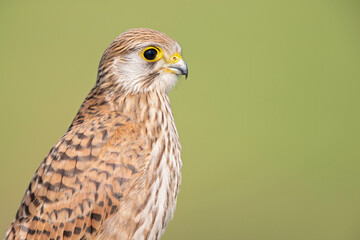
[179, 68]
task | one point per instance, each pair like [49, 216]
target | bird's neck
[143, 107]
[152, 106]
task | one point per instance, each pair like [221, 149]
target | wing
[82, 180]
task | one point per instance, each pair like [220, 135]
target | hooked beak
[179, 68]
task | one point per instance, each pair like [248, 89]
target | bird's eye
[152, 54]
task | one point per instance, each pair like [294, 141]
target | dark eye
[150, 54]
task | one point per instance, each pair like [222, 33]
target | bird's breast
[163, 186]
[149, 205]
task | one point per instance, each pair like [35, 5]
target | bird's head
[142, 60]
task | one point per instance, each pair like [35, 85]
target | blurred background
[269, 118]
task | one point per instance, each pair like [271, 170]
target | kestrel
[115, 174]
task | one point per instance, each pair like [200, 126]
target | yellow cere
[175, 58]
[158, 56]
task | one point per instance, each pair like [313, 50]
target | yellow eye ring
[152, 54]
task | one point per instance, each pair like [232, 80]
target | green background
[269, 118]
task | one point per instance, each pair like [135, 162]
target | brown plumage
[115, 174]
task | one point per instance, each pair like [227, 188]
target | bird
[116, 172]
